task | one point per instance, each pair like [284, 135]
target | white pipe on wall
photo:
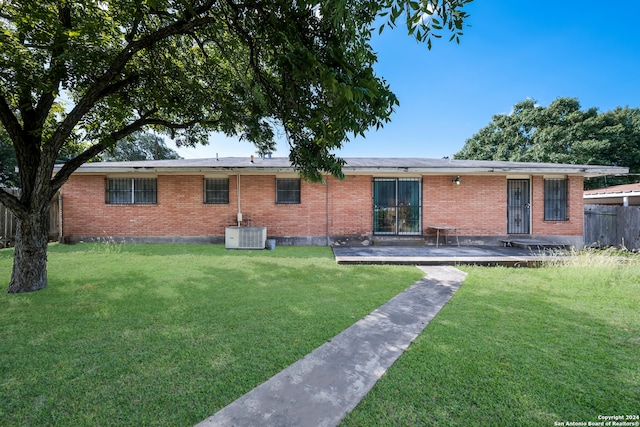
[326, 209]
[238, 196]
[60, 216]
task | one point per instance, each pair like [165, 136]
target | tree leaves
[186, 68]
[425, 20]
[560, 133]
[140, 146]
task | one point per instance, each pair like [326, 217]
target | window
[129, 191]
[555, 199]
[216, 191]
[288, 190]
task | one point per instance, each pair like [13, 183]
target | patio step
[398, 241]
[533, 244]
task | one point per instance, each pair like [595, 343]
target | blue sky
[514, 50]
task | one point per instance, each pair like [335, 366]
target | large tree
[561, 133]
[186, 68]
[139, 146]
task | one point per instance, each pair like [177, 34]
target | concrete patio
[445, 255]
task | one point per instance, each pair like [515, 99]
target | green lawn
[144, 335]
[527, 347]
[169, 334]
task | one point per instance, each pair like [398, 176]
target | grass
[521, 347]
[169, 334]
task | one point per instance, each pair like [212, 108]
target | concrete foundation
[348, 241]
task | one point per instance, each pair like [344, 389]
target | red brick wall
[575, 211]
[180, 210]
[477, 207]
[350, 206]
[258, 203]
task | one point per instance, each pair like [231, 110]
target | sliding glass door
[397, 206]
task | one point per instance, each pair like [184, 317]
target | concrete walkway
[324, 386]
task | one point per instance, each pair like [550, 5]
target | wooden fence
[8, 221]
[606, 225]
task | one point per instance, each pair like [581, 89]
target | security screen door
[397, 206]
[518, 206]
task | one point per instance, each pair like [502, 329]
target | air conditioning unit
[245, 237]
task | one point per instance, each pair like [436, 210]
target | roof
[353, 165]
[614, 195]
[616, 190]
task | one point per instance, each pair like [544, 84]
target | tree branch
[199, 42]
[100, 88]
[10, 122]
[72, 165]
[58, 69]
[27, 152]
[131, 34]
[13, 203]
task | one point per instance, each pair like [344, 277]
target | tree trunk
[30, 253]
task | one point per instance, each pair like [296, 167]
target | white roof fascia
[590, 172]
[612, 195]
[435, 168]
[184, 170]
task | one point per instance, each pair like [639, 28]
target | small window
[288, 190]
[555, 199]
[216, 191]
[128, 191]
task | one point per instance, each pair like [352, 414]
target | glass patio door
[397, 206]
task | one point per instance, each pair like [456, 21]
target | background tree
[561, 133]
[140, 146]
[8, 175]
[186, 68]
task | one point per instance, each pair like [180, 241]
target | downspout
[239, 216]
[6, 223]
[326, 214]
[60, 217]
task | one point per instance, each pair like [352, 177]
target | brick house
[196, 200]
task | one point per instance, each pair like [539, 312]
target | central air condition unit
[245, 237]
